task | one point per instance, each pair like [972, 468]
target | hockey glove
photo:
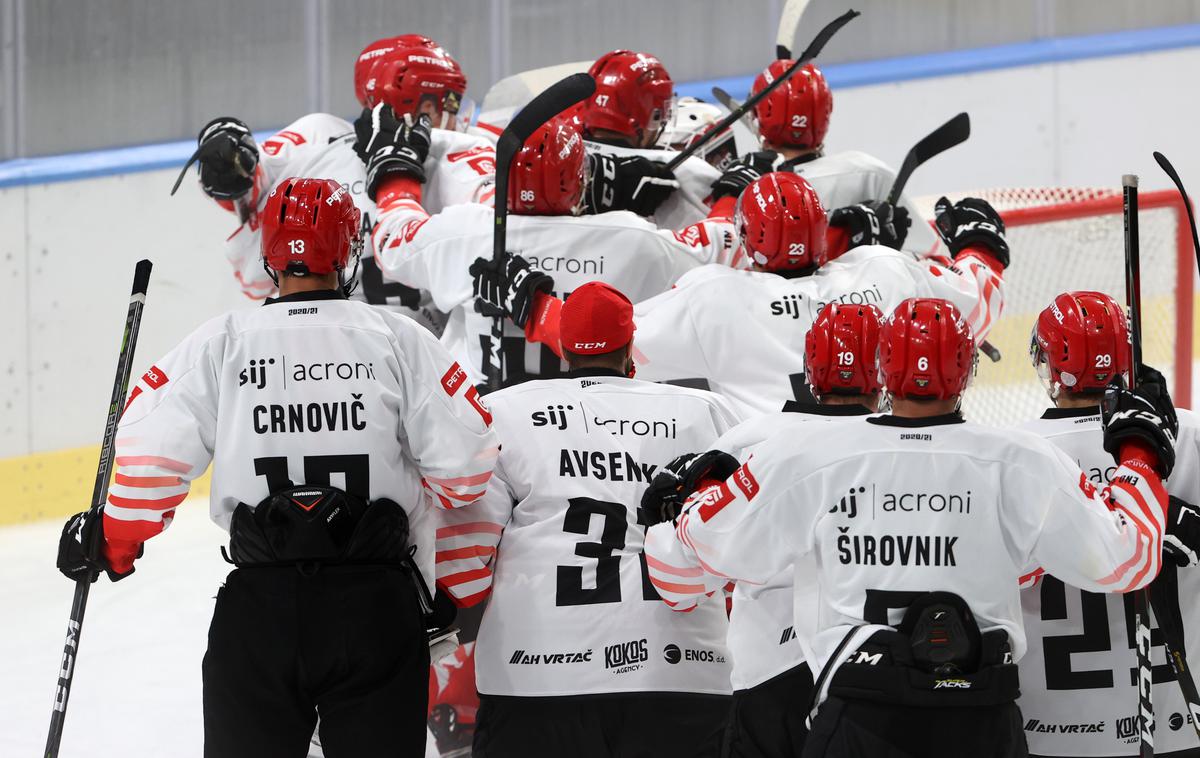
[228, 157]
[1145, 414]
[394, 146]
[743, 172]
[1181, 543]
[971, 221]
[664, 498]
[80, 548]
[873, 224]
[515, 299]
[627, 183]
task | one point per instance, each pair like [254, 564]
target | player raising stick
[285, 401]
[743, 331]
[770, 677]
[577, 655]
[1079, 344]
[436, 252]
[921, 525]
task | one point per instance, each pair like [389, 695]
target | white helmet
[691, 119]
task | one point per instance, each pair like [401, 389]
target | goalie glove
[392, 146]
[971, 222]
[664, 498]
[628, 183]
[1144, 414]
[514, 297]
[228, 158]
[1181, 543]
[873, 224]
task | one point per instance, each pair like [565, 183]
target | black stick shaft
[133, 321]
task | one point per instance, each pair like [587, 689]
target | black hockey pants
[345, 642]
[768, 719]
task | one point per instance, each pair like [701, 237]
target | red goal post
[1068, 238]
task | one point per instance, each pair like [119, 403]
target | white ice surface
[137, 680]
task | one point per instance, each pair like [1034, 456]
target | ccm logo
[589, 345]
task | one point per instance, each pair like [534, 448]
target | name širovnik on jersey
[897, 549]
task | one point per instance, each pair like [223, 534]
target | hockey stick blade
[789, 22]
[810, 52]
[731, 104]
[133, 321]
[553, 101]
[953, 132]
[1187, 206]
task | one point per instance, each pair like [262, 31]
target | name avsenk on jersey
[921, 524]
[576, 649]
[770, 676]
[437, 251]
[410, 72]
[742, 332]
[1077, 695]
[334, 429]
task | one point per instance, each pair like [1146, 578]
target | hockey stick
[953, 132]
[554, 100]
[1164, 591]
[812, 51]
[1141, 613]
[789, 21]
[133, 320]
[726, 99]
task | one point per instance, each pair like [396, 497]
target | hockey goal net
[1073, 239]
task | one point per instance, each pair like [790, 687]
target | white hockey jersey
[891, 506]
[557, 541]
[852, 177]
[1077, 695]
[460, 169]
[744, 331]
[688, 204]
[308, 389]
[435, 252]
[763, 622]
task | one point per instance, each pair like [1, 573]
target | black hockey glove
[873, 224]
[971, 221]
[515, 299]
[1145, 414]
[79, 548]
[392, 146]
[743, 172]
[1181, 543]
[627, 183]
[675, 483]
[228, 157]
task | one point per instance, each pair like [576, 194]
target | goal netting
[1065, 238]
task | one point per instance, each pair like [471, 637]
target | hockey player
[920, 525]
[622, 122]
[690, 120]
[743, 331]
[577, 655]
[333, 427]
[792, 123]
[436, 252]
[417, 77]
[1076, 692]
[770, 679]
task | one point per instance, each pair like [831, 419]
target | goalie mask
[1080, 344]
[691, 120]
[926, 351]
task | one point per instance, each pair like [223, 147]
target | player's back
[1076, 683]
[572, 610]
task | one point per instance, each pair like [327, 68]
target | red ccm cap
[595, 319]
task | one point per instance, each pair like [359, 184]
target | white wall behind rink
[68, 248]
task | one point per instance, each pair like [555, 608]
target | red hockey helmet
[841, 350]
[782, 224]
[926, 350]
[310, 226]
[370, 57]
[1080, 343]
[795, 114]
[633, 96]
[548, 174]
[411, 75]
